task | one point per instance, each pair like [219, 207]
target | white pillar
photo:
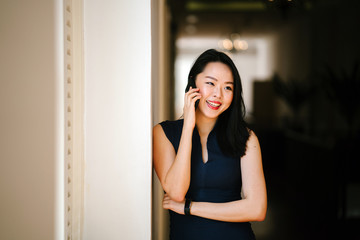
[117, 38]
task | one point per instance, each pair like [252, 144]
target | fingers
[192, 90]
[166, 196]
[166, 202]
[192, 95]
[194, 99]
[170, 204]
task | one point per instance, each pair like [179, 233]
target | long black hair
[231, 129]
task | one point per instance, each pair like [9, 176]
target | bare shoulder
[161, 142]
[157, 129]
[253, 140]
[159, 135]
[252, 147]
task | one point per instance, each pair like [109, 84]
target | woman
[209, 163]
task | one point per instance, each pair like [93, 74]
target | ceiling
[201, 17]
[204, 17]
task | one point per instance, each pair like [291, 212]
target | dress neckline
[209, 138]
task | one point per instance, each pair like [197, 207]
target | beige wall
[31, 119]
[117, 38]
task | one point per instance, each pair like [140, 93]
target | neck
[204, 125]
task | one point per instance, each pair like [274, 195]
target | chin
[212, 114]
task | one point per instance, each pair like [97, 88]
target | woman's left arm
[254, 203]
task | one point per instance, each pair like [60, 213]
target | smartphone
[192, 84]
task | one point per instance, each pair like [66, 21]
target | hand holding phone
[191, 101]
[193, 85]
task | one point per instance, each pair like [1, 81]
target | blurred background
[299, 65]
[83, 82]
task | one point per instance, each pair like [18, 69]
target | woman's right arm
[174, 169]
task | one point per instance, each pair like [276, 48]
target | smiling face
[216, 86]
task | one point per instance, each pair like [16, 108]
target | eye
[210, 83]
[228, 88]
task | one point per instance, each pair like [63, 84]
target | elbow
[260, 217]
[177, 196]
[260, 214]
[174, 192]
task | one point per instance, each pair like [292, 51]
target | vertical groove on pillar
[74, 99]
[68, 117]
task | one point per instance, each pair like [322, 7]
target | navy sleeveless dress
[218, 180]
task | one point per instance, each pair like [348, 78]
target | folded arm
[173, 169]
[254, 203]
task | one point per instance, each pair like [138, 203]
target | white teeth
[213, 104]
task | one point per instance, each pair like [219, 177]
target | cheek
[203, 91]
[229, 99]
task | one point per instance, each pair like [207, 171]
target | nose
[217, 92]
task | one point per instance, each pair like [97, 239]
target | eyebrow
[216, 79]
